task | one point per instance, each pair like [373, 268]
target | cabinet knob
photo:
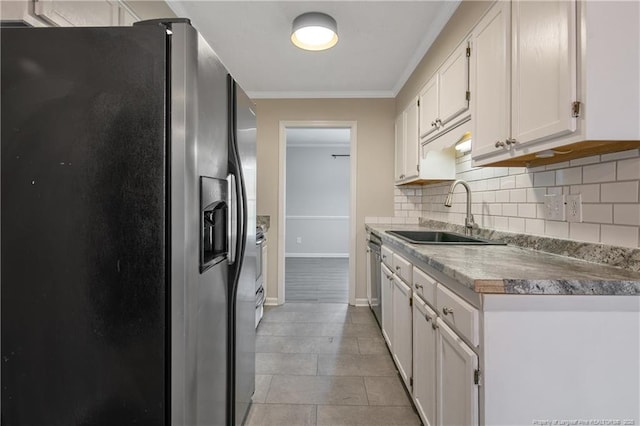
[384, 256]
[499, 144]
[447, 311]
[434, 325]
[427, 317]
[511, 141]
[397, 268]
[418, 285]
[438, 122]
[368, 251]
[433, 124]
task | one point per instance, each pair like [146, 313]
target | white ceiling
[380, 44]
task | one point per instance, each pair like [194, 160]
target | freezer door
[199, 302]
[83, 226]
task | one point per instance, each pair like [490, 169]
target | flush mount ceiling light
[314, 31]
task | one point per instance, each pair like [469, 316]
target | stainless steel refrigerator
[127, 256]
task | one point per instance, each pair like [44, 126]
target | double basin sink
[441, 237]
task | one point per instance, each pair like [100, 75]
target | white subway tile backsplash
[534, 226]
[603, 172]
[524, 180]
[590, 193]
[588, 232]
[586, 160]
[511, 198]
[556, 229]
[518, 196]
[629, 169]
[502, 196]
[623, 192]
[527, 210]
[626, 214]
[508, 182]
[570, 176]
[625, 236]
[597, 213]
[510, 210]
[620, 155]
[544, 179]
[536, 195]
[557, 166]
[516, 224]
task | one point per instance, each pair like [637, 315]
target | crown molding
[322, 95]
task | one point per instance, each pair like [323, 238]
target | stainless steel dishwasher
[376, 282]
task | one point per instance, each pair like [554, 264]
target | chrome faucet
[469, 223]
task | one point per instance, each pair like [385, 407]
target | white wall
[317, 202]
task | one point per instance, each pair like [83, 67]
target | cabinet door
[400, 125]
[490, 80]
[387, 306]
[67, 13]
[453, 86]
[543, 69]
[412, 141]
[457, 393]
[424, 361]
[402, 330]
[429, 107]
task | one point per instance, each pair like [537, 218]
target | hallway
[325, 364]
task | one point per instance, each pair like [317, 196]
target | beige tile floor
[325, 364]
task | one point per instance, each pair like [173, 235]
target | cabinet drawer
[403, 268]
[458, 314]
[387, 257]
[425, 286]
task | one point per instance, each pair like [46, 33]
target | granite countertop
[514, 270]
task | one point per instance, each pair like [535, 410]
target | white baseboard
[362, 302]
[271, 301]
[316, 255]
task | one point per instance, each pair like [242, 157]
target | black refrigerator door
[83, 226]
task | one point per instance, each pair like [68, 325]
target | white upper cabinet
[65, 13]
[524, 56]
[491, 79]
[429, 107]
[543, 70]
[550, 81]
[445, 97]
[407, 144]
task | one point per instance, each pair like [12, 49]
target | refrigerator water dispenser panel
[213, 221]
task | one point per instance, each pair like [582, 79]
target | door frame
[282, 156]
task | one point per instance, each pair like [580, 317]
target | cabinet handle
[368, 251]
[447, 311]
[434, 325]
[433, 124]
[511, 141]
[418, 285]
[397, 268]
[499, 144]
[401, 176]
[427, 317]
[438, 122]
[384, 256]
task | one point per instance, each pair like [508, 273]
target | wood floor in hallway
[317, 279]
[325, 364]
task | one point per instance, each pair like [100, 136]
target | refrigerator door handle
[232, 222]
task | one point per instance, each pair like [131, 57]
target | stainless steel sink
[441, 237]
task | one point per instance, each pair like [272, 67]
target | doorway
[317, 208]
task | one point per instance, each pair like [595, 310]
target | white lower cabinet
[402, 329]
[457, 392]
[387, 305]
[424, 361]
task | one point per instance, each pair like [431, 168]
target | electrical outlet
[574, 208]
[554, 207]
[299, 240]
